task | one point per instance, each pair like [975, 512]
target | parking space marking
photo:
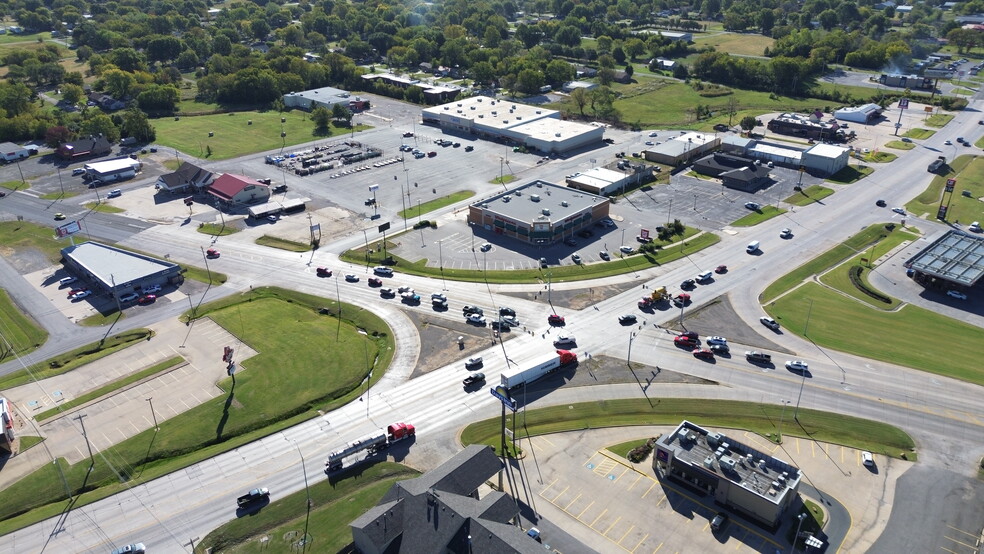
[625, 534]
[971, 535]
[605, 511]
[638, 478]
[657, 548]
[559, 495]
[604, 467]
[576, 498]
[544, 439]
[948, 550]
[638, 544]
[578, 516]
[961, 543]
[619, 518]
[651, 487]
[611, 476]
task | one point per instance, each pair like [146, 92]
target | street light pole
[808, 312]
[153, 413]
[781, 414]
[800, 517]
[628, 355]
[799, 396]
[307, 491]
[440, 254]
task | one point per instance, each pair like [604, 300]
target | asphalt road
[942, 414]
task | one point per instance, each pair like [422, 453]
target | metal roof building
[858, 114]
[118, 271]
[747, 480]
[682, 149]
[324, 96]
[538, 212]
[956, 258]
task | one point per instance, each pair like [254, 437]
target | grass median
[758, 418]
[312, 360]
[563, 273]
[334, 504]
[764, 213]
[22, 336]
[436, 204]
[969, 173]
[809, 195]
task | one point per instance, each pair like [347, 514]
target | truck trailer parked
[536, 369]
[373, 443]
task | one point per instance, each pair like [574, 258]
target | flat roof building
[538, 212]
[859, 114]
[605, 181]
[118, 271]
[740, 477]
[532, 126]
[325, 97]
[113, 167]
[681, 149]
[825, 159]
[956, 258]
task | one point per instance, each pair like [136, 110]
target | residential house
[188, 178]
[92, 146]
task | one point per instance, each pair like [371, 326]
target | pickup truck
[252, 496]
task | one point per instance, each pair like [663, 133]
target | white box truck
[536, 368]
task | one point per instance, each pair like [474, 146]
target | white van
[752, 247]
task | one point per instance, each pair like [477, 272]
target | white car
[136, 548]
[439, 296]
[383, 271]
[625, 249]
[797, 365]
[948, 143]
[486, 247]
[80, 295]
[565, 339]
[649, 143]
[716, 340]
[956, 294]
[769, 322]
[753, 205]
[471, 362]
[654, 134]
[114, 193]
[129, 297]
[785, 234]
[351, 277]
[477, 319]
[867, 460]
[150, 289]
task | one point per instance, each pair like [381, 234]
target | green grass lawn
[58, 195]
[742, 44]
[65, 362]
[939, 120]
[919, 134]
[216, 229]
[964, 91]
[283, 244]
[111, 387]
[436, 204]
[504, 180]
[969, 173]
[809, 195]
[880, 157]
[899, 145]
[21, 235]
[234, 136]
[854, 245]
[312, 360]
[617, 266]
[104, 207]
[920, 338]
[765, 213]
[758, 418]
[850, 174]
[13, 185]
[335, 504]
[20, 333]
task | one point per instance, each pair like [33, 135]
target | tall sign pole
[903, 104]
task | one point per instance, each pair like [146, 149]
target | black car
[880, 203]
[688, 284]
[473, 379]
[627, 319]
[472, 310]
[570, 242]
[507, 311]
[586, 233]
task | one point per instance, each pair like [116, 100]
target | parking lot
[613, 505]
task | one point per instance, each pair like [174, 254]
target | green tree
[118, 83]
[101, 124]
[137, 125]
[321, 117]
[581, 98]
[748, 123]
[72, 94]
[342, 113]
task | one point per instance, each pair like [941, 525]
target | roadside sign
[502, 394]
[383, 227]
[644, 234]
[903, 103]
[950, 183]
[68, 229]
[373, 187]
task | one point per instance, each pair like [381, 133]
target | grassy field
[899, 145]
[809, 195]
[313, 361]
[104, 207]
[436, 204]
[854, 245]
[216, 229]
[21, 334]
[969, 173]
[939, 120]
[557, 273]
[850, 174]
[504, 180]
[73, 359]
[233, 136]
[21, 235]
[334, 502]
[919, 134]
[753, 218]
[724, 414]
[920, 338]
[736, 43]
[110, 387]
[283, 244]
[879, 157]
[839, 277]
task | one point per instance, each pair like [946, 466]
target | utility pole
[92, 461]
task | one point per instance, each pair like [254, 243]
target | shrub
[855, 275]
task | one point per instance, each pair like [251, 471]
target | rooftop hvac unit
[762, 465]
[447, 108]
[535, 197]
[481, 115]
[725, 445]
[709, 462]
[557, 135]
[749, 458]
[713, 439]
[545, 211]
[682, 434]
[564, 203]
[540, 185]
[692, 437]
[775, 485]
[473, 107]
[781, 480]
[719, 453]
[538, 112]
[728, 463]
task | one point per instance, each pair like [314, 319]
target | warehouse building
[606, 181]
[118, 272]
[800, 126]
[680, 150]
[536, 128]
[448, 509]
[738, 476]
[325, 97]
[953, 261]
[539, 212]
[233, 191]
[868, 113]
[109, 171]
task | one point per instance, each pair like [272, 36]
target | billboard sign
[941, 214]
[384, 227]
[502, 394]
[67, 229]
[373, 188]
[644, 233]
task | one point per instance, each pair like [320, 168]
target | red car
[212, 253]
[685, 342]
[375, 282]
[682, 300]
[323, 272]
[690, 334]
[703, 353]
[721, 269]
[554, 319]
[147, 299]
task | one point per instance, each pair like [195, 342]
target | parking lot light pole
[440, 254]
[800, 517]
[781, 414]
[153, 413]
[695, 202]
